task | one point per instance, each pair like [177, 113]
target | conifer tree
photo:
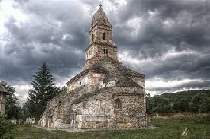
[43, 90]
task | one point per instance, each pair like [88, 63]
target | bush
[7, 129]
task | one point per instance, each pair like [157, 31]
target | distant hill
[184, 101]
[189, 94]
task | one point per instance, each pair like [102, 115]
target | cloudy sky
[167, 40]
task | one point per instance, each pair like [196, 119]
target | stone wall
[92, 108]
[112, 74]
[2, 103]
[101, 111]
[98, 51]
[83, 80]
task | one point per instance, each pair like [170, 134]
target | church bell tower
[100, 40]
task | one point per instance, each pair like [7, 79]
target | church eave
[133, 73]
[84, 72]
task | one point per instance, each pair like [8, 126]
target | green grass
[198, 128]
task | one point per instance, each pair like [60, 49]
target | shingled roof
[113, 71]
[100, 18]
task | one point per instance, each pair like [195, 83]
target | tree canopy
[186, 101]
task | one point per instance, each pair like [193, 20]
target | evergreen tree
[43, 90]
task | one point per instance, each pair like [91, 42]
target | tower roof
[100, 18]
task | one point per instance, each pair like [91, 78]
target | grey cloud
[194, 85]
[41, 38]
[188, 31]
[190, 22]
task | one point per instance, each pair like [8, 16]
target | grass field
[167, 128]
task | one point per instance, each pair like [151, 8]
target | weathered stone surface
[105, 94]
[3, 94]
[118, 103]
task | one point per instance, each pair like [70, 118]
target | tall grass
[166, 128]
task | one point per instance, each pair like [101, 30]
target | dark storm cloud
[165, 25]
[190, 21]
[53, 34]
[169, 38]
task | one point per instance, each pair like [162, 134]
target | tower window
[59, 103]
[104, 36]
[105, 51]
[118, 104]
[92, 37]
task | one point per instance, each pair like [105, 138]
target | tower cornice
[101, 44]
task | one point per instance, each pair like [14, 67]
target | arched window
[118, 104]
[104, 36]
[59, 103]
[106, 51]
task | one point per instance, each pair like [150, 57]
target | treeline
[197, 101]
[43, 90]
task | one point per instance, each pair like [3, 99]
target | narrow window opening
[107, 51]
[92, 37]
[59, 103]
[104, 36]
[118, 104]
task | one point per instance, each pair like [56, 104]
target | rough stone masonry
[3, 94]
[105, 95]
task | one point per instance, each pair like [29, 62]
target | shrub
[7, 129]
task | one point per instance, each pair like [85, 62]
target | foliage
[12, 108]
[183, 105]
[43, 90]
[165, 128]
[186, 101]
[161, 104]
[200, 103]
[7, 129]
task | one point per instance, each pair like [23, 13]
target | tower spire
[100, 5]
[100, 39]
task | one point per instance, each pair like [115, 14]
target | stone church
[105, 94]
